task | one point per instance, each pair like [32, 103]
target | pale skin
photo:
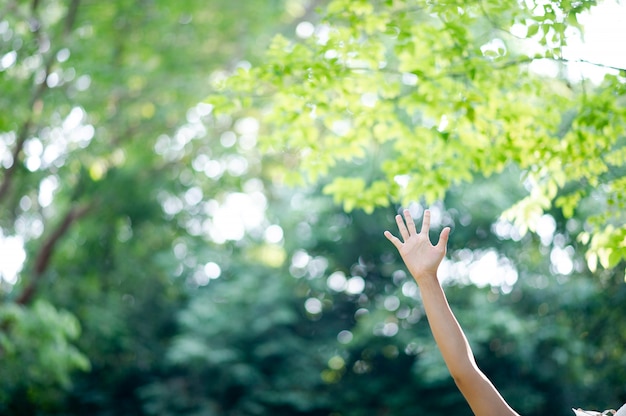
[422, 259]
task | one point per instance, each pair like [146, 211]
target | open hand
[420, 256]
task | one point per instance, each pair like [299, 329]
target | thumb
[443, 238]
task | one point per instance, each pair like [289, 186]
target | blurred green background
[162, 253]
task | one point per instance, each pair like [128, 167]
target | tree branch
[24, 129]
[584, 61]
[45, 254]
[70, 17]
[19, 145]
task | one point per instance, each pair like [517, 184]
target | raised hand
[421, 257]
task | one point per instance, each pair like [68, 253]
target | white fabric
[581, 412]
[620, 412]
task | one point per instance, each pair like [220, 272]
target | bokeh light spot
[337, 281]
[355, 285]
[344, 337]
[313, 306]
[273, 234]
[212, 270]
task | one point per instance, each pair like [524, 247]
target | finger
[426, 222]
[410, 224]
[443, 238]
[402, 228]
[394, 240]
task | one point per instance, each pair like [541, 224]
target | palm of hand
[420, 256]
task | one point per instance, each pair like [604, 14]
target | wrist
[425, 277]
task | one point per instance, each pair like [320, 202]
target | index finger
[426, 222]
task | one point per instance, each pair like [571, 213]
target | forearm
[479, 392]
[446, 330]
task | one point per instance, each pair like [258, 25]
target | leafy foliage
[95, 96]
[170, 270]
[433, 95]
[40, 365]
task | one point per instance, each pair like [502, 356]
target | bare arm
[423, 259]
